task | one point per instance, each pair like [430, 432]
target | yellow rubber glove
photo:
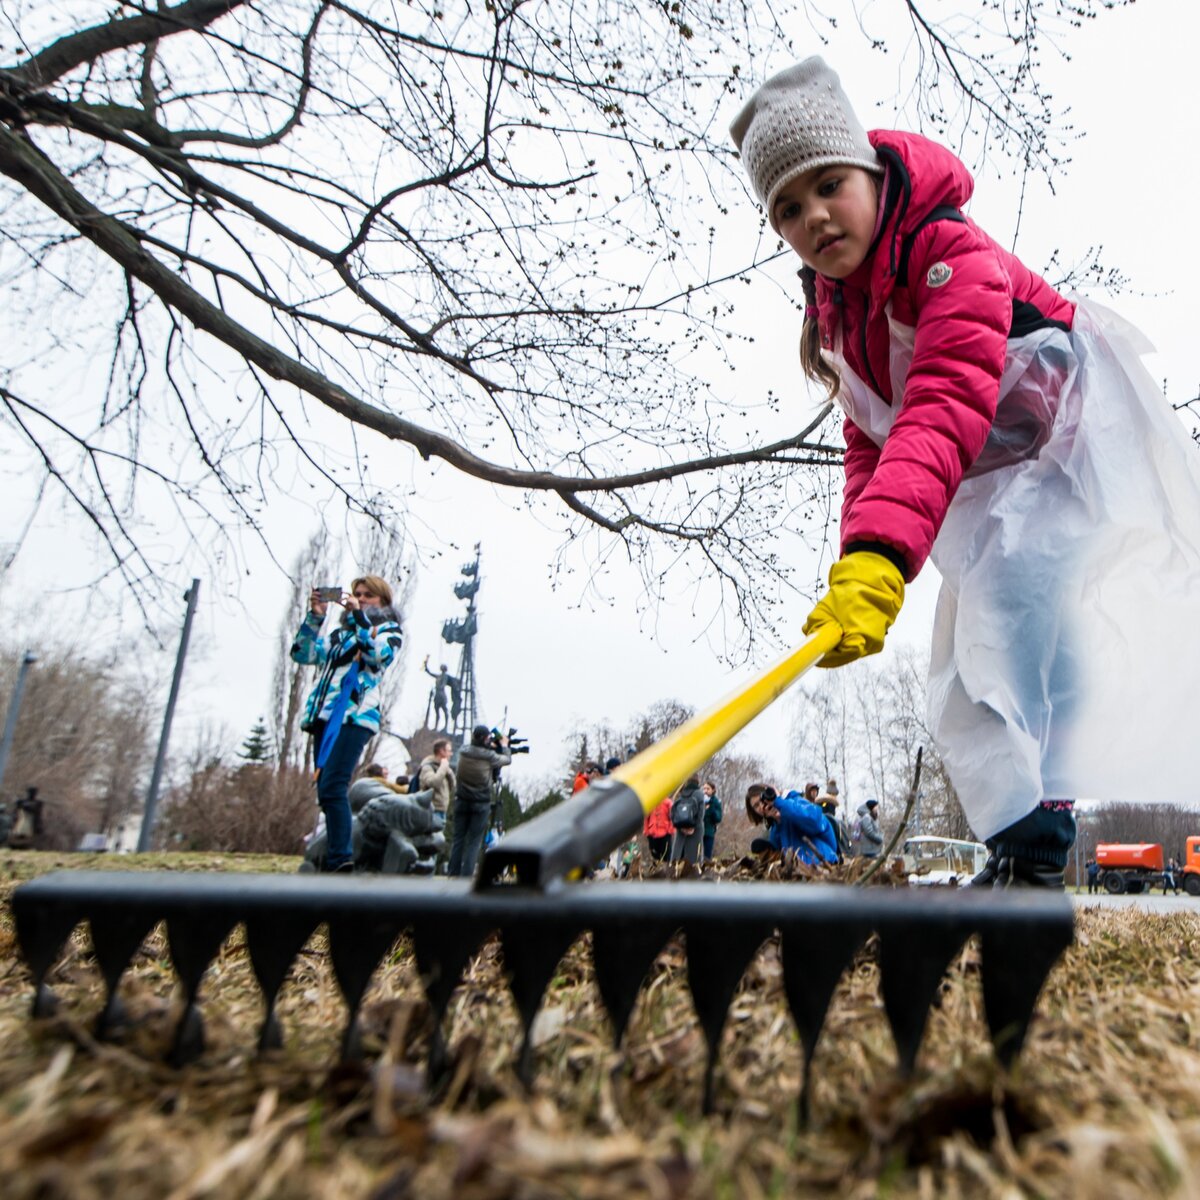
[864, 598]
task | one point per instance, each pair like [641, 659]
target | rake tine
[815, 955]
[622, 955]
[1017, 958]
[443, 945]
[195, 937]
[356, 945]
[42, 930]
[273, 940]
[717, 957]
[116, 936]
[912, 963]
[530, 957]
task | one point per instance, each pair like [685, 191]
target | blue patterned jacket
[373, 637]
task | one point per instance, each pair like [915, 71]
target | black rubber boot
[1019, 872]
[987, 876]
[1031, 852]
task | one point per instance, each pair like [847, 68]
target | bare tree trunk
[383, 550]
[314, 567]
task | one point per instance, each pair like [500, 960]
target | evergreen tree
[510, 806]
[257, 746]
[547, 802]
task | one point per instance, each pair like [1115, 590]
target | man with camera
[478, 765]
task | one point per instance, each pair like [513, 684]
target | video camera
[516, 745]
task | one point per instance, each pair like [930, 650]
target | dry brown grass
[1105, 1101]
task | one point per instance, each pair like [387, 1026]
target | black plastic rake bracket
[822, 927]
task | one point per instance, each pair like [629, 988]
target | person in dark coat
[870, 842]
[712, 817]
[687, 815]
[477, 764]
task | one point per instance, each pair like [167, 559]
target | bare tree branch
[21, 162]
[76, 49]
[491, 233]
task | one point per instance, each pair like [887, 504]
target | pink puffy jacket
[964, 295]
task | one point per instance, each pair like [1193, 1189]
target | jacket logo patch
[938, 274]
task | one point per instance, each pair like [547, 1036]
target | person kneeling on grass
[793, 823]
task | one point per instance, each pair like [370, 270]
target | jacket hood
[862, 810]
[919, 176]
[927, 175]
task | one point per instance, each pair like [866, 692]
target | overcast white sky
[558, 646]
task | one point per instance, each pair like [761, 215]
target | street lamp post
[14, 708]
[147, 831]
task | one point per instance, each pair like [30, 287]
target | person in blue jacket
[342, 711]
[793, 823]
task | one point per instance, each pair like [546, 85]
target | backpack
[686, 809]
[856, 830]
[414, 783]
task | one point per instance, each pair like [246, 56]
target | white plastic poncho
[1066, 643]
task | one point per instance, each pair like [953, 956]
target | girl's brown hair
[375, 584]
[811, 362]
[752, 793]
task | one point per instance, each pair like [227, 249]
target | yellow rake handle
[571, 837]
[658, 770]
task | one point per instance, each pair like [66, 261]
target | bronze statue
[443, 681]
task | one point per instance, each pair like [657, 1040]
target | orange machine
[1191, 867]
[1133, 866]
[1147, 855]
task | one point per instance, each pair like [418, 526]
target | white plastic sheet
[1066, 646]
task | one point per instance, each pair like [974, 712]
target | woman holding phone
[342, 711]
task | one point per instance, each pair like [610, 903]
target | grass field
[1104, 1102]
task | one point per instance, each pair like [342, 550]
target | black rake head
[822, 928]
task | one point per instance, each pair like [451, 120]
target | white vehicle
[935, 860]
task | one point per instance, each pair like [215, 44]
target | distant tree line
[1144, 821]
[82, 739]
[864, 726]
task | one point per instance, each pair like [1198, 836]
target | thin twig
[908, 807]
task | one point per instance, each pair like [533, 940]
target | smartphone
[329, 593]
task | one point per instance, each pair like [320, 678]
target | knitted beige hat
[797, 120]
